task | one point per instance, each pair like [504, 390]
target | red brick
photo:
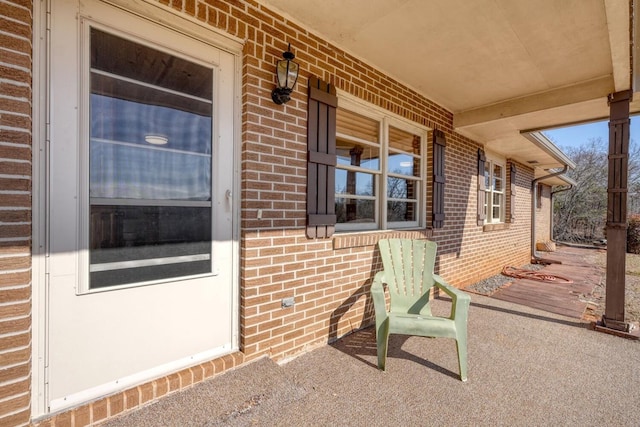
[132, 398]
[99, 410]
[146, 393]
[116, 404]
[14, 279]
[15, 372]
[161, 387]
[173, 382]
[17, 419]
[15, 388]
[63, 419]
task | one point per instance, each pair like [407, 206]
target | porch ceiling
[501, 66]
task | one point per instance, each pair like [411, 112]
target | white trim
[171, 20]
[495, 159]
[147, 262]
[385, 119]
[135, 82]
[100, 201]
[38, 200]
[540, 140]
[104, 390]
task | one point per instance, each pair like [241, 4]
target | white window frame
[491, 161]
[385, 120]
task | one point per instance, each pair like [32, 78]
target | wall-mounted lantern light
[287, 74]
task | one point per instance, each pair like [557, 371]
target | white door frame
[40, 191]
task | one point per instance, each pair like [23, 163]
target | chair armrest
[377, 294]
[460, 300]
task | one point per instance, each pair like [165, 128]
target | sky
[576, 136]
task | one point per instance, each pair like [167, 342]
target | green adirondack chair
[408, 274]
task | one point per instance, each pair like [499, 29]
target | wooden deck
[563, 299]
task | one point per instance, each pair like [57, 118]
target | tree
[580, 214]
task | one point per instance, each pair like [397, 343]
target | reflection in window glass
[144, 243]
[403, 164]
[358, 161]
[487, 175]
[149, 164]
[497, 178]
[355, 210]
[354, 183]
[404, 153]
[398, 211]
[403, 161]
[357, 127]
[400, 188]
[353, 154]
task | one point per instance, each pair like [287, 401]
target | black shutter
[439, 144]
[321, 161]
[512, 207]
[481, 194]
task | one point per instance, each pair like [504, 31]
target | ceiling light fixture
[156, 139]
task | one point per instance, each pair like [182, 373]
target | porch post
[617, 210]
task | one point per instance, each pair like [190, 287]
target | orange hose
[520, 273]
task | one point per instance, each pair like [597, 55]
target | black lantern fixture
[287, 75]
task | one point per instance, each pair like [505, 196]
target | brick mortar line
[18, 84]
[21, 270]
[14, 66]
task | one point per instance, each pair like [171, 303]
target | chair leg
[461, 345]
[382, 340]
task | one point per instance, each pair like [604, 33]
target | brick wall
[15, 211]
[327, 278]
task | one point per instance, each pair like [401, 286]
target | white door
[141, 231]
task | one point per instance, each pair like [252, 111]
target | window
[150, 163]
[494, 187]
[379, 173]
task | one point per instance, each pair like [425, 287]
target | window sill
[495, 227]
[371, 238]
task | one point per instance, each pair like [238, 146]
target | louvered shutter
[481, 187]
[321, 160]
[512, 187]
[439, 144]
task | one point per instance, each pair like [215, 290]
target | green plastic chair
[408, 275]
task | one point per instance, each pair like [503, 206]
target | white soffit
[501, 66]
[469, 54]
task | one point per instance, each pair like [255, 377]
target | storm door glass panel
[149, 164]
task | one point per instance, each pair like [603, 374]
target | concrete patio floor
[527, 367]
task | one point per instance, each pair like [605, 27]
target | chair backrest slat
[409, 264]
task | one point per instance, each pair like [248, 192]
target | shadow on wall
[461, 172]
[368, 314]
